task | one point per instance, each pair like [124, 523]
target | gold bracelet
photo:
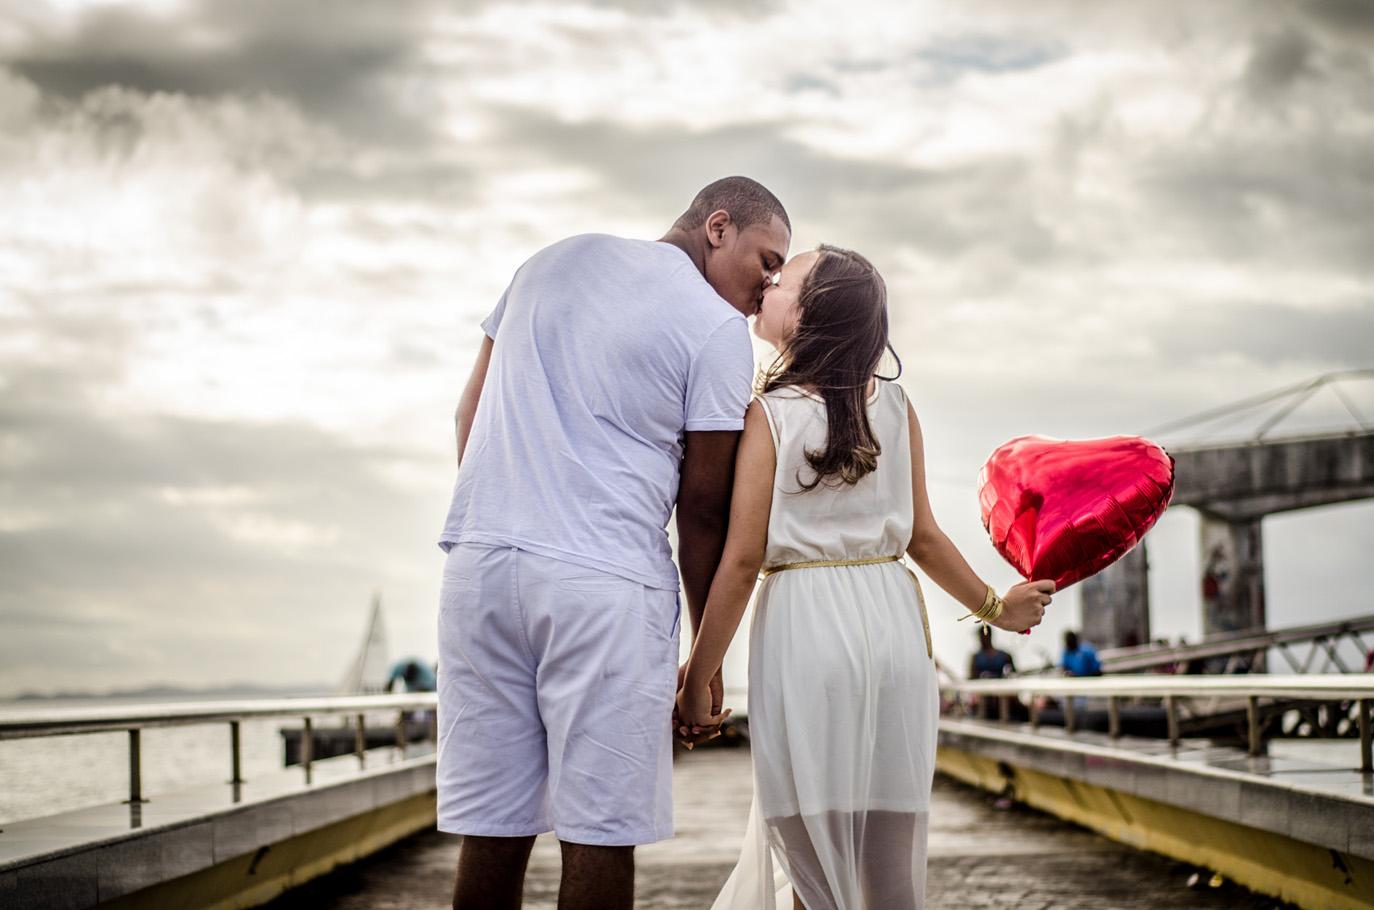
[978, 613]
[991, 609]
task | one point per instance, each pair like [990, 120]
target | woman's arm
[750, 502]
[945, 565]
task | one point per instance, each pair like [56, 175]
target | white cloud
[261, 222]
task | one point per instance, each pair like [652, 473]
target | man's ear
[716, 224]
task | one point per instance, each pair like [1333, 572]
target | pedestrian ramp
[1295, 828]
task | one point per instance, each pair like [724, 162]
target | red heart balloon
[1066, 509]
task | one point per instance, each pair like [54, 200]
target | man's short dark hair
[747, 201]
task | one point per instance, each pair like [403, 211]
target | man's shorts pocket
[597, 584]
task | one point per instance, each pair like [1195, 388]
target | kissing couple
[615, 385]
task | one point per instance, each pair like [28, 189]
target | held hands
[1024, 605]
[697, 715]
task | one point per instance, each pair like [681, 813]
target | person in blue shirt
[1079, 657]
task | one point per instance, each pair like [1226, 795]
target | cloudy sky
[245, 246]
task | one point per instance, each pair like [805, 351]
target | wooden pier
[984, 853]
[1230, 818]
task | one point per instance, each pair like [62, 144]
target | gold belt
[822, 563]
[875, 560]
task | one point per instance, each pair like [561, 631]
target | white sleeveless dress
[842, 689]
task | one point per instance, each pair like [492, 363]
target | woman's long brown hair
[834, 351]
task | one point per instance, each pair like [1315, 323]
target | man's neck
[685, 242]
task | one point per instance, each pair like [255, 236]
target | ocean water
[58, 773]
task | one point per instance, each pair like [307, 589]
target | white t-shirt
[605, 351]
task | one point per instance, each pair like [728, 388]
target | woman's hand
[694, 709]
[1024, 605]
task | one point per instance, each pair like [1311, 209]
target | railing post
[1253, 723]
[401, 733]
[307, 747]
[235, 752]
[1366, 746]
[1114, 717]
[360, 742]
[1035, 711]
[135, 766]
[1068, 714]
[1171, 713]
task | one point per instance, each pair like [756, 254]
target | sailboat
[368, 673]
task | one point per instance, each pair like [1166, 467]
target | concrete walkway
[981, 856]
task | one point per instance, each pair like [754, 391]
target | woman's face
[780, 311]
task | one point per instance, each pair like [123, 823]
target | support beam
[1232, 559]
[1116, 603]
[1253, 479]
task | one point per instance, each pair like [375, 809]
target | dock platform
[1288, 829]
[983, 854]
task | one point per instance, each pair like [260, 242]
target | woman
[829, 492]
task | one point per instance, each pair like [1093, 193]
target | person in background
[989, 662]
[413, 674]
[1079, 657]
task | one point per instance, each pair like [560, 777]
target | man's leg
[491, 873]
[492, 766]
[597, 878]
[607, 651]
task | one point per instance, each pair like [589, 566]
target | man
[611, 385]
[989, 661]
[1079, 657]
[413, 674]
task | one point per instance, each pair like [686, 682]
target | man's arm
[703, 512]
[472, 393]
[745, 545]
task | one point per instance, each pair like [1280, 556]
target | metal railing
[1324, 641]
[135, 718]
[1357, 689]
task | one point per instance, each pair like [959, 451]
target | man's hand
[693, 722]
[697, 717]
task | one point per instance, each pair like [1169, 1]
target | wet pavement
[983, 854]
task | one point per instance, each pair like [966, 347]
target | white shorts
[556, 689]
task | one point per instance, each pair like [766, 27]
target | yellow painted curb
[256, 878]
[1313, 877]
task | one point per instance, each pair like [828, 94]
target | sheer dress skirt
[842, 721]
